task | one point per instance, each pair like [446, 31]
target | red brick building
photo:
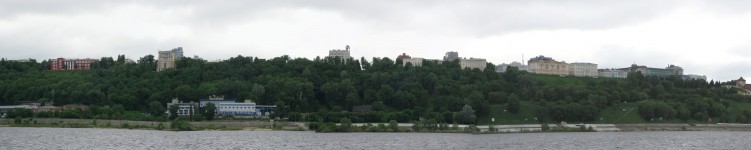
[57, 64]
[71, 64]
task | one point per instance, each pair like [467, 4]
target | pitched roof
[741, 79]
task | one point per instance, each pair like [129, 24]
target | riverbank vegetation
[176, 125]
[323, 91]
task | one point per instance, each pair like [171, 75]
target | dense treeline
[322, 88]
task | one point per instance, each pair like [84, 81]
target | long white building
[414, 61]
[579, 69]
[612, 73]
[229, 107]
[473, 63]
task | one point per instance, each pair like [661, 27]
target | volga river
[83, 138]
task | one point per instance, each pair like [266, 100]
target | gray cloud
[224, 28]
[478, 18]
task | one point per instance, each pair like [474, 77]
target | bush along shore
[431, 126]
[175, 125]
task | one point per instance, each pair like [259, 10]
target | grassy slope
[614, 114]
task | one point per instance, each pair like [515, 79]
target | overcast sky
[710, 38]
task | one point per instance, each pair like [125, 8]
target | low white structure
[184, 109]
[580, 69]
[228, 107]
[343, 54]
[414, 61]
[473, 63]
[4, 109]
[694, 77]
[612, 73]
[518, 65]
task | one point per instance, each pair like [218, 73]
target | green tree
[156, 108]
[394, 126]
[209, 111]
[173, 111]
[467, 115]
[345, 125]
[514, 103]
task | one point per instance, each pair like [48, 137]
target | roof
[741, 79]
[218, 100]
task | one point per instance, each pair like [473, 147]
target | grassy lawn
[616, 114]
[610, 115]
[737, 108]
[524, 116]
[568, 80]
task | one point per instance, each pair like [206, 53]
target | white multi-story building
[473, 63]
[414, 61]
[612, 73]
[579, 69]
[503, 67]
[184, 109]
[343, 54]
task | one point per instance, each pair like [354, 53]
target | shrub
[394, 126]
[181, 125]
[17, 120]
[382, 127]
[160, 126]
[545, 127]
[345, 125]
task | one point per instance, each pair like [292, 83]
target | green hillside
[326, 89]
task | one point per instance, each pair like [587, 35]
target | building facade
[57, 64]
[403, 56]
[229, 107]
[503, 67]
[451, 56]
[694, 77]
[71, 64]
[583, 69]
[612, 73]
[671, 70]
[343, 54]
[744, 89]
[416, 62]
[184, 109]
[167, 59]
[473, 63]
[547, 65]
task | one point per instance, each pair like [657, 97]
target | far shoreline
[254, 125]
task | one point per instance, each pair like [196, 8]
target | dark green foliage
[513, 103]
[23, 113]
[156, 109]
[466, 116]
[328, 86]
[393, 126]
[209, 111]
[173, 111]
[345, 125]
[181, 125]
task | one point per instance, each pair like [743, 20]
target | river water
[84, 138]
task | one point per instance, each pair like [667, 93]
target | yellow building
[547, 65]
